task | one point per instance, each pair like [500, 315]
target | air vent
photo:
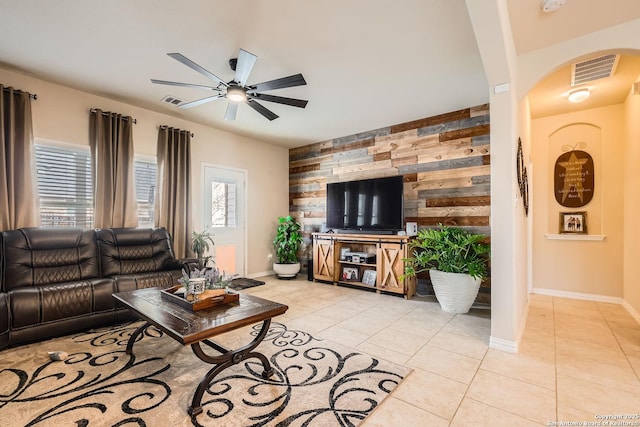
[593, 69]
[172, 100]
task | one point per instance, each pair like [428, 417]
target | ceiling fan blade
[165, 82]
[245, 63]
[200, 101]
[189, 63]
[232, 109]
[270, 115]
[289, 81]
[300, 103]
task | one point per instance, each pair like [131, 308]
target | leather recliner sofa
[55, 281]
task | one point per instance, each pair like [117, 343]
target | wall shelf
[592, 237]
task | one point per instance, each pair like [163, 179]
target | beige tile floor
[578, 360]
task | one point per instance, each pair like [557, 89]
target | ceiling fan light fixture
[579, 95]
[236, 94]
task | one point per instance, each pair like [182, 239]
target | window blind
[145, 175]
[64, 186]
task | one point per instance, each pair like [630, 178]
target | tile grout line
[615, 337]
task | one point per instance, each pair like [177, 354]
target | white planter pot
[456, 292]
[286, 270]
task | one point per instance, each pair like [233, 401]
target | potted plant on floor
[457, 263]
[286, 243]
[200, 244]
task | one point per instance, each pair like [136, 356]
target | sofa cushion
[160, 279]
[134, 250]
[36, 305]
[42, 256]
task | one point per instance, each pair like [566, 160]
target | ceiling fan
[237, 90]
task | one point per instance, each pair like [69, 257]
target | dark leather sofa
[55, 281]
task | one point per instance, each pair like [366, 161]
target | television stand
[372, 261]
[368, 232]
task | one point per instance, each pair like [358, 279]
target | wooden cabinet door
[323, 259]
[390, 267]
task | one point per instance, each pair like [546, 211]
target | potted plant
[200, 244]
[457, 263]
[286, 243]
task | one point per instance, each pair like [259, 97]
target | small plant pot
[455, 292]
[286, 271]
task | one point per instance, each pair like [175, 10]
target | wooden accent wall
[444, 161]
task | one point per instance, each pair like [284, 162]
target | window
[145, 168]
[223, 204]
[64, 185]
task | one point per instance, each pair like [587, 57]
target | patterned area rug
[316, 382]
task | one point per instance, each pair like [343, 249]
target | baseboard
[632, 311]
[504, 345]
[261, 274]
[577, 295]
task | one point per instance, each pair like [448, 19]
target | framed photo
[350, 274]
[343, 253]
[573, 222]
[369, 277]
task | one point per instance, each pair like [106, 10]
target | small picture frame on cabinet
[350, 274]
[369, 277]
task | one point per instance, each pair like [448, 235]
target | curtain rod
[180, 130]
[104, 113]
[33, 96]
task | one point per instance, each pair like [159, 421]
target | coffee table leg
[135, 335]
[226, 360]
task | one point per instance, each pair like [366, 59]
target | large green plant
[448, 249]
[288, 240]
[200, 244]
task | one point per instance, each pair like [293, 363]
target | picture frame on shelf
[343, 253]
[573, 222]
[369, 277]
[350, 274]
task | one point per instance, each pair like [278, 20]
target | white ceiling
[367, 63]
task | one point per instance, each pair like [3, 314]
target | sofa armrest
[4, 320]
[188, 264]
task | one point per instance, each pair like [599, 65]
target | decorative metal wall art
[523, 182]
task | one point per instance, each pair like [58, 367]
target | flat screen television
[370, 205]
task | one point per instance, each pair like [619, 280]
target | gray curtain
[173, 205]
[111, 141]
[18, 190]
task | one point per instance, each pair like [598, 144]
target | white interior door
[224, 215]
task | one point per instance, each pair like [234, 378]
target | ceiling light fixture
[552, 5]
[579, 95]
[236, 93]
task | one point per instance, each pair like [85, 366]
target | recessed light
[579, 95]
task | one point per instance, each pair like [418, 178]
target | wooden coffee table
[194, 328]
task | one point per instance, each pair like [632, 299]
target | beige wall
[62, 114]
[490, 22]
[579, 266]
[631, 272]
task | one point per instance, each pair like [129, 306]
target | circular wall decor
[524, 192]
[523, 183]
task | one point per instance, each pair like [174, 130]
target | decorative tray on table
[209, 298]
